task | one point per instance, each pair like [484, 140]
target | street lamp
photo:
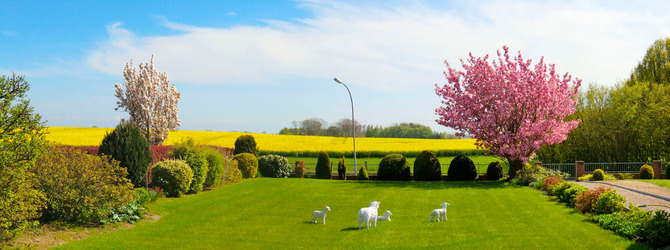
[353, 122]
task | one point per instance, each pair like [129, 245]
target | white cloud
[398, 46]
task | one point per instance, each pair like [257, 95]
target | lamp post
[353, 122]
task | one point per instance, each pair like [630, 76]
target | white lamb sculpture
[386, 217]
[441, 212]
[320, 214]
[368, 214]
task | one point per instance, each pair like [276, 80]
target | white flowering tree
[150, 100]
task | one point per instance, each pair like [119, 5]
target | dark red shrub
[586, 201]
[549, 182]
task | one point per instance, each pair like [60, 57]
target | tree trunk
[514, 166]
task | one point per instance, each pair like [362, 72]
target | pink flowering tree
[510, 106]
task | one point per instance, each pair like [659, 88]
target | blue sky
[259, 65]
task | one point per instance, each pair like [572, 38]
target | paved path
[637, 192]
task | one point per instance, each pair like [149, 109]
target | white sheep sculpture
[368, 214]
[441, 212]
[386, 216]
[320, 214]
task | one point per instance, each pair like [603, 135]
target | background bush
[657, 229]
[342, 169]
[194, 156]
[172, 176]
[246, 144]
[494, 171]
[646, 172]
[130, 148]
[393, 167]
[363, 174]
[549, 183]
[274, 166]
[323, 169]
[79, 187]
[598, 175]
[247, 164]
[214, 166]
[427, 167]
[462, 169]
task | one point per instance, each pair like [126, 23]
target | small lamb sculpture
[386, 217]
[440, 212]
[320, 214]
[368, 214]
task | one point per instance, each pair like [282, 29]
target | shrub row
[374, 154]
[607, 208]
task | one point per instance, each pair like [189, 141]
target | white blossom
[149, 100]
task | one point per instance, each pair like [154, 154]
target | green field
[481, 163]
[275, 213]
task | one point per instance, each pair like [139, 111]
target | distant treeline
[343, 128]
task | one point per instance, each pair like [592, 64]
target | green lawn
[275, 213]
[373, 163]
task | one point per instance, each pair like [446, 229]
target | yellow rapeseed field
[277, 143]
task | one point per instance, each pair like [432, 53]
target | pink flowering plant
[509, 105]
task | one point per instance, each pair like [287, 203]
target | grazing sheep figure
[440, 212]
[368, 214]
[320, 214]
[386, 217]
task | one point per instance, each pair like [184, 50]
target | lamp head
[337, 80]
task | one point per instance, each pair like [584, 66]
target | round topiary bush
[462, 169]
[247, 164]
[173, 176]
[342, 169]
[363, 174]
[195, 158]
[494, 171]
[274, 166]
[323, 170]
[245, 144]
[598, 175]
[646, 172]
[427, 167]
[215, 167]
[393, 167]
[130, 148]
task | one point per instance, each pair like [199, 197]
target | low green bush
[130, 213]
[494, 171]
[427, 167]
[274, 166]
[628, 224]
[609, 202]
[247, 164]
[462, 169]
[231, 171]
[323, 169]
[214, 166]
[646, 172]
[657, 229]
[598, 175]
[570, 195]
[363, 174]
[393, 167]
[172, 176]
[560, 188]
[142, 196]
[589, 177]
[79, 187]
[194, 156]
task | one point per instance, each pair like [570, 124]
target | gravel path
[625, 188]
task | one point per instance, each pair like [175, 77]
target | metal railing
[568, 168]
[614, 167]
